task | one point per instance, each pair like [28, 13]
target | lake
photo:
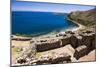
[39, 23]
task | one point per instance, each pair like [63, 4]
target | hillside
[86, 18]
[64, 47]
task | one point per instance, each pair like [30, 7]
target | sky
[47, 7]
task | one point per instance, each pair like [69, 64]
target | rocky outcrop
[82, 44]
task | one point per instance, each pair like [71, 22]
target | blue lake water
[38, 23]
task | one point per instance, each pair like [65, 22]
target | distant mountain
[87, 18]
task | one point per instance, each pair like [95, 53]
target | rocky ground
[65, 47]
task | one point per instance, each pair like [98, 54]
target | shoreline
[54, 33]
[50, 40]
[76, 41]
[80, 26]
[48, 35]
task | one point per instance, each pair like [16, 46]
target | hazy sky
[47, 7]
